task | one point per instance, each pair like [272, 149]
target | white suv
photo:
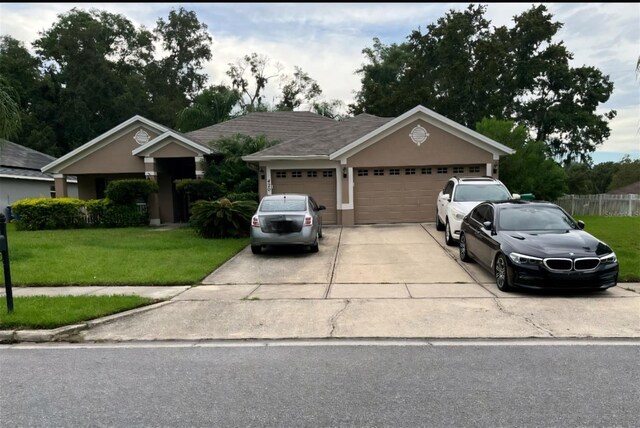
[460, 196]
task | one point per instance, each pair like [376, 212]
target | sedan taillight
[308, 221]
[255, 221]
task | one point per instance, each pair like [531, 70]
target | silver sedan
[286, 219]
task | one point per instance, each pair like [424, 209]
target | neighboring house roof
[20, 162]
[633, 189]
[324, 141]
[277, 125]
[352, 135]
[15, 155]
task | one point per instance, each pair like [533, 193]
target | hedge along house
[141, 148]
[370, 169]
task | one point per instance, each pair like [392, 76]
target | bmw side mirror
[515, 196]
[447, 197]
[581, 224]
[487, 225]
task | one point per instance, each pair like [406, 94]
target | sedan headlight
[609, 258]
[457, 214]
[522, 259]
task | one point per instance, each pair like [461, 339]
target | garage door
[402, 194]
[319, 183]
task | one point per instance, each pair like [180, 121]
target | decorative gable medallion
[141, 137]
[419, 135]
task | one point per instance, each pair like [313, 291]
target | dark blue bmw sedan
[536, 245]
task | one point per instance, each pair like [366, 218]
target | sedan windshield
[275, 205]
[534, 218]
[480, 192]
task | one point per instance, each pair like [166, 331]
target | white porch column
[151, 173]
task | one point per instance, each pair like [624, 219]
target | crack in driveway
[527, 320]
[334, 318]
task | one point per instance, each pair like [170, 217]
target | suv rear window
[283, 205]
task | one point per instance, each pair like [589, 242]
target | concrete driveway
[378, 261]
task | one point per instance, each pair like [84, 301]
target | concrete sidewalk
[318, 311]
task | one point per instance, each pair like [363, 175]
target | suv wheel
[439, 225]
[448, 239]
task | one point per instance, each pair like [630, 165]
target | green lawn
[623, 235]
[129, 256]
[45, 312]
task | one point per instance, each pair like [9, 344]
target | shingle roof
[17, 156]
[327, 140]
[279, 125]
[26, 173]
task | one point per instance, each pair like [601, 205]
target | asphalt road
[399, 384]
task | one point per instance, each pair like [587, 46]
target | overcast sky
[326, 41]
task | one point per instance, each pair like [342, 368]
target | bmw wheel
[464, 255]
[501, 271]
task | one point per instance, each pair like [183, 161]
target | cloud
[625, 131]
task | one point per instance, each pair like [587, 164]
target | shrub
[246, 196]
[104, 213]
[128, 192]
[47, 213]
[222, 218]
[200, 189]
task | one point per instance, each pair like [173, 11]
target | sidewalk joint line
[526, 319]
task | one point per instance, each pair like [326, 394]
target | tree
[228, 169]
[465, 69]
[91, 57]
[176, 79]
[628, 173]
[602, 174]
[9, 111]
[213, 105]
[330, 109]
[251, 87]
[579, 179]
[298, 89]
[528, 170]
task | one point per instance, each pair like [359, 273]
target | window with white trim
[312, 173]
[443, 170]
[394, 171]
[363, 172]
[458, 170]
[281, 174]
[409, 171]
[327, 173]
[474, 169]
[426, 170]
[296, 174]
[378, 172]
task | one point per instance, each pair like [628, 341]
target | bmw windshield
[534, 218]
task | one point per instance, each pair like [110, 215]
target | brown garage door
[402, 194]
[319, 183]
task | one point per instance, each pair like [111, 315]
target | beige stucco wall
[113, 157]
[173, 150]
[440, 148]
[87, 183]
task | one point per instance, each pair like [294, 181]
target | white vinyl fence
[602, 204]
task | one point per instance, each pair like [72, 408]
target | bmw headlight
[609, 258]
[522, 259]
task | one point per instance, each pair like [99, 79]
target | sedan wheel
[464, 255]
[448, 239]
[256, 249]
[314, 247]
[502, 274]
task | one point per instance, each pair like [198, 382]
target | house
[20, 175]
[365, 169]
